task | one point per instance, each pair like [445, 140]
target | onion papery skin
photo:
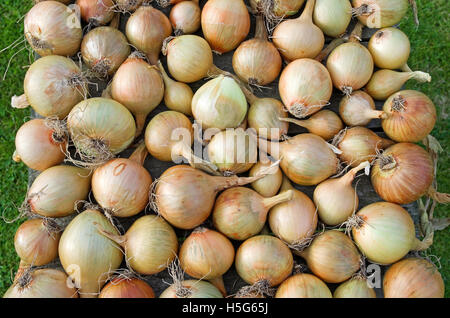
[350, 66]
[264, 258]
[185, 17]
[101, 119]
[358, 109]
[387, 232]
[128, 5]
[356, 287]
[104, 49]
[410, 116]
[409, 178]
[197, 288]
[305, 87]
[385, 13]
[225, 24]
[127, 288]
[52, 86]
[146, 29]
[278, 8]
[52, 28]
[332, 16]
[45, 283]
[38, 146]
[86, 255]
[56, 190]
[263, 116]
[413, 278]
[96, 12]
[220, 103]
[270, 184]
[390, 48]
[303, 286]
[35, 243]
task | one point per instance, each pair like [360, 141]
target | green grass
[430, 53]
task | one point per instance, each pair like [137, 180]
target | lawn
[430, 53]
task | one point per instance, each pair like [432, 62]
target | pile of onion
[96, 12]
[127, 287]
[303, 286]
[185, 17]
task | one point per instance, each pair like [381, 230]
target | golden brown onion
[379, 13]
[355, 287]
[303, 286]
[185, 17]
[332, 16]
[270, 184]
[127, 288]
[96, 12]
[358, 109]
[390, 48]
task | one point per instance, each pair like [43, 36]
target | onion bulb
[121, 186]
[305, 87]
[413, 278]
[299, 38]
[240, 212]
[409, 116]
[127, 6]
[225, 24]
[96, 12]
[41, 283]
[379, 13]
[185, 17]
[56, 190]
[88, 257]
[150, 244]
[336, 199]
[36, 241]
[104, 49]
[358, 109]
[332, 256]
[139, 87]
[53, 85]
[146, 29]
[355, 287]
[100, 128]
[384, 232]
[185, 196]
[220, 103]
[402, 173]
[191, 289]
[52, 28]
[257, 61]
[128, 287]
[390, 48]
[303, 286]
[274, 10]
[270, 184]
[332, 16]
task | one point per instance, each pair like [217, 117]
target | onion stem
[348, 178]
[330, 47]
[20, 102]
[280, 198]
[308, 11]
[356, 34]
[139, 154]
[218, 282]
[185, 151]
[115, 22]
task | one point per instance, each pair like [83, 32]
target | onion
[96, 12]
[225, 24]
[355, 287]
[257, 61]
[100, 128]
[56, 190]
[233, 151]
[185, 17]
[104, 49]
[146, 29]
[306, 159]
[263, 261]
[36, 241]
[169, 137]
[305, 87]
[127, 288]
[332, 16]
[220, 103]
[325, 124]
[41, 283]
[121, 186]
[177, 96]
[185, 196]
[87, 256]
[53, 85]
[207, 254]
[294, 221]
[413, 278]
[139, 87]
[336, 200]
[332, 256]
[380, 13]
[127, 6]
[303, 286]
[270, 184]
[402, 173]
[359, 144]
[40, 144]
[358, 109]
[191, 289]
[276, 9]
[52, 28]
[385, 233]
[150, 244]
[299, 38]
[240, 212]
[390, 48]
[409, 116]
[62, 1]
